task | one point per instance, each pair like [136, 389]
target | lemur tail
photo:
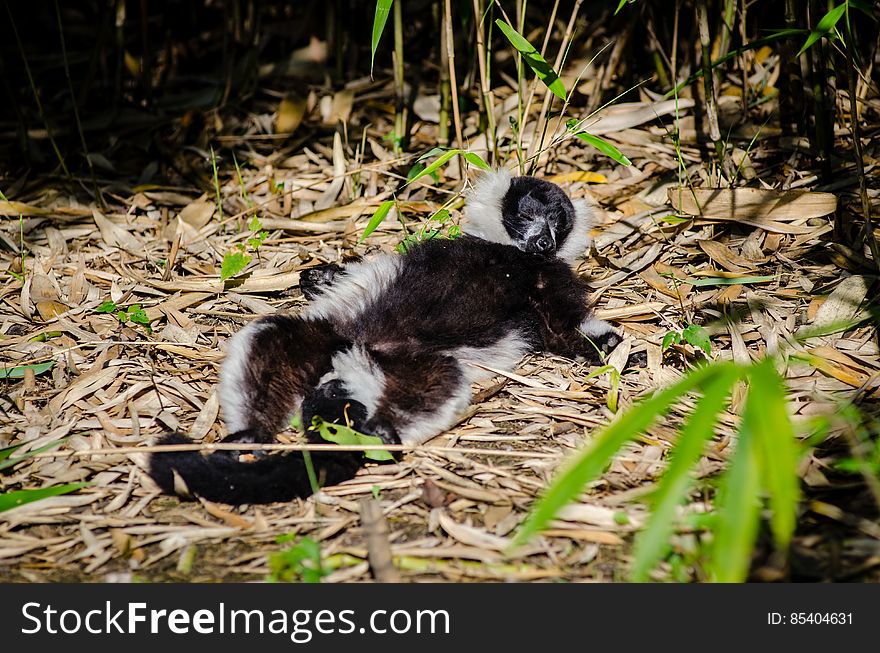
[221, 477]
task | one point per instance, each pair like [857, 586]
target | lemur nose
[544, 244]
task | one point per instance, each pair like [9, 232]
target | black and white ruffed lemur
[386, 342]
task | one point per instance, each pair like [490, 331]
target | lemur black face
[537, 215]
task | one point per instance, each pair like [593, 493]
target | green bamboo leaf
[18, 371]
[651, 543]
[440, 161]
[777, 451]
[383, 8]
[475, 159]
[736, 524]
[533, 58]
[11, 500]
[604, 147]
[590, 462]
[6, 452]
[380, 214]
[345, 435]
[824, 27]
[620, 6]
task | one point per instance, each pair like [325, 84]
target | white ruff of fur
[362, 377]
[358, 287]
[232, 386]
[483, 208]
[578, 240]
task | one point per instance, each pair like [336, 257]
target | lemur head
[531, 214]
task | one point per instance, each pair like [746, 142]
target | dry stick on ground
[375, 528]
[230, 446]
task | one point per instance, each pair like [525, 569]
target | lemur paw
[637, 359]
[314, 280]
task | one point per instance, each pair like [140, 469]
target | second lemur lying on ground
[386, 343]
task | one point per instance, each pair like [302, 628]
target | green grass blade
[651, 543]
[383, 8]
[590, 462]
[6, 452]
[604, 147]
[766, 416]
[738, 509]
[828, 22]
[18, 371]
[11, 500]
[533, 58]
[380, 215]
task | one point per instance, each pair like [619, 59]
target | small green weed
[299, 563]
[693, 334]
[133, 313]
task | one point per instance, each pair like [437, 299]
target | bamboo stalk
[856, 130]
[486, 93]
[79, 128]
[453, 84]
[399, 92]
[711, 104]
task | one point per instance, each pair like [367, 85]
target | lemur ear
[578, 241]
[482, 211]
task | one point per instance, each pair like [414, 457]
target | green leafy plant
[236, 260]
[763, 467]
[298, 563]
[693, 334]
[133, 313]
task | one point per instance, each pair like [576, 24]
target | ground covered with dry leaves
[451, 506]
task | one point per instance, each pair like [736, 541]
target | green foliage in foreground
[762, 469]
[298, 563]
[9, 500]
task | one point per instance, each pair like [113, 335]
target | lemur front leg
[565, 320]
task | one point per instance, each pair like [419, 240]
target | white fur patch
[593, 328]
[355, 289]
[362, 377]
[422, 427]
[578, 240]
[482, 210]
[503, 355]
[232, 386]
